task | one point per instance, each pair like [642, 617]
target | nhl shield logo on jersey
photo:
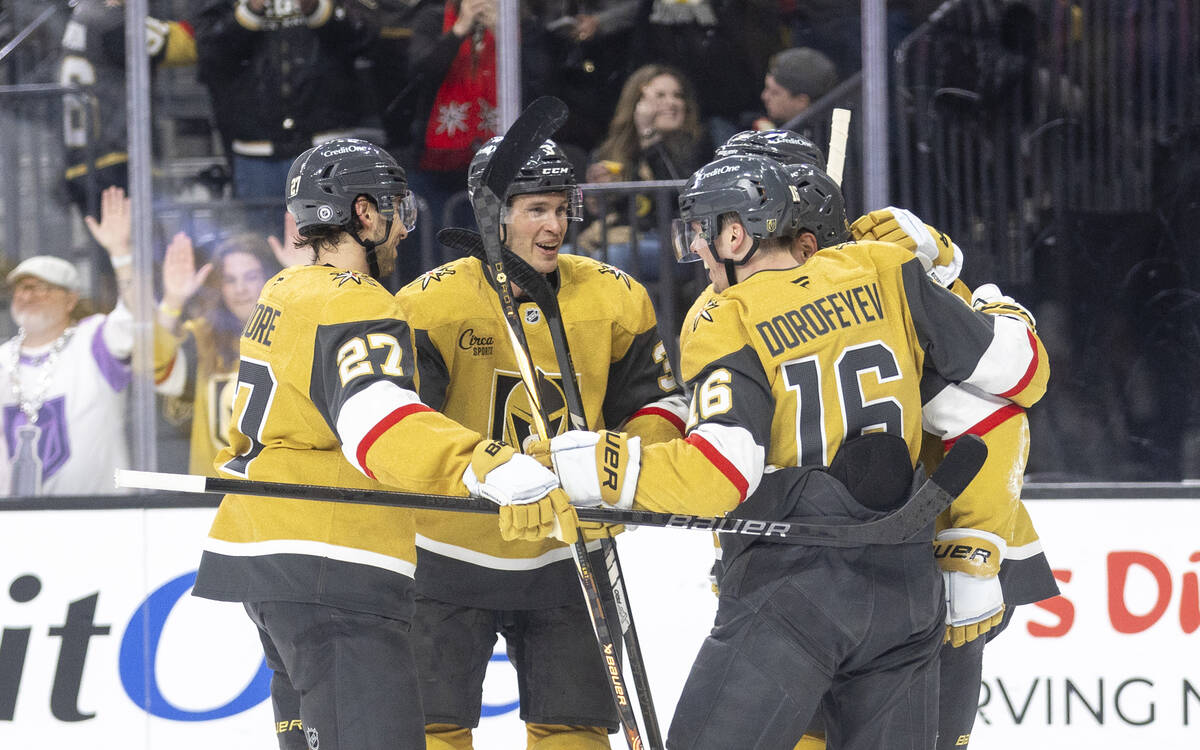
[533, 315]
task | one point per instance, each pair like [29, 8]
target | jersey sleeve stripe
[724, 465]
[383, 426]
[359, 423]
[1010, 360]
[957, 409]
[1029, 371]
[983, 427]
[658, 411]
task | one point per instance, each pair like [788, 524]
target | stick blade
[540, 120]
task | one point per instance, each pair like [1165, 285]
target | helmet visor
[687, 234]
[400, 208]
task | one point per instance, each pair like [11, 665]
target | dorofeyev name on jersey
[855, 306]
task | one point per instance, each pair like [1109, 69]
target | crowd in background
[651, 86]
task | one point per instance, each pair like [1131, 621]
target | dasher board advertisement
[101, 643]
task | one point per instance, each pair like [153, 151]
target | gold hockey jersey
[787, 364]
[327, 395]
[468, 371]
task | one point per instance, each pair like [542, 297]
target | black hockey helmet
[784, 146]
[820, 207]
[325, 180]
[547, 171]
[756, 188]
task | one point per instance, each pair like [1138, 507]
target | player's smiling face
[537, 225]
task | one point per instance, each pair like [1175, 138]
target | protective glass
[686, 232]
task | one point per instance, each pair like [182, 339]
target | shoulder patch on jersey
[436, 275]
[705, 313]
[341, 278]
[616, 273]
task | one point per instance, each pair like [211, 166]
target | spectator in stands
[280, 78]
[94, 124]
[718, 42]
[795, 79]
[196, 354]
[452, 92]
[64, 376]
[655, 134]
[834, 27]
[591, 47]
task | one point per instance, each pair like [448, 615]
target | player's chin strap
[369, 247]
[731, 265]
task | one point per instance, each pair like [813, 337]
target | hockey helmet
[325, 180]
[784, 146]
[756, 188]
[820, 207]
[548, 170]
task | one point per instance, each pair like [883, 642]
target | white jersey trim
[1007, 358]
[312, 549]
[484, 560]
[958, 408]
[1024, 552]
[362, 412]
[737, 445]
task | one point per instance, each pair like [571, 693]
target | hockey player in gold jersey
[471, 585]
[327, 395]
[990, 509]
[806, 367]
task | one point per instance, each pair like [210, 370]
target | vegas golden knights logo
[512, 415]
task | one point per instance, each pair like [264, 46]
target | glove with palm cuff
[989, 299]
[939, 256]
[970, 562]
[594, 467]
[532, 506]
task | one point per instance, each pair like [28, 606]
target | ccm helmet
[784, 146]
[547, 171]
[755, 188]
[820, 207]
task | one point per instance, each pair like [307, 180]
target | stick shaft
[839, 133]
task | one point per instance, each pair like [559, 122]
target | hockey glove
[591, 530]
[970, 561]
[532, 507]
[989, 299]
[595, 467]
[940, 257]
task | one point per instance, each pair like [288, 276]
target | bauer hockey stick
[961, 464]
[839, 132]
[539, 121]
[539, 290]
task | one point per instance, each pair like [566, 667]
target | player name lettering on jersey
[260, 324]
[855, 306]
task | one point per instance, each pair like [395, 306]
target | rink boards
[101, 645]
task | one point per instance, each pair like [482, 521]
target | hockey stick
[538, 289]
[839, 132]
[538, 122]
[961, 464]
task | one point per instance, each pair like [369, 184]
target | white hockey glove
[532, 507]
[939, 256]
[595, 467]
[989, 299]
[970, 561]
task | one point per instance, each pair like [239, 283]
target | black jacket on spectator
[285, 82]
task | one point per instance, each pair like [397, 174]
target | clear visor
[686, 233]
[404, 208]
